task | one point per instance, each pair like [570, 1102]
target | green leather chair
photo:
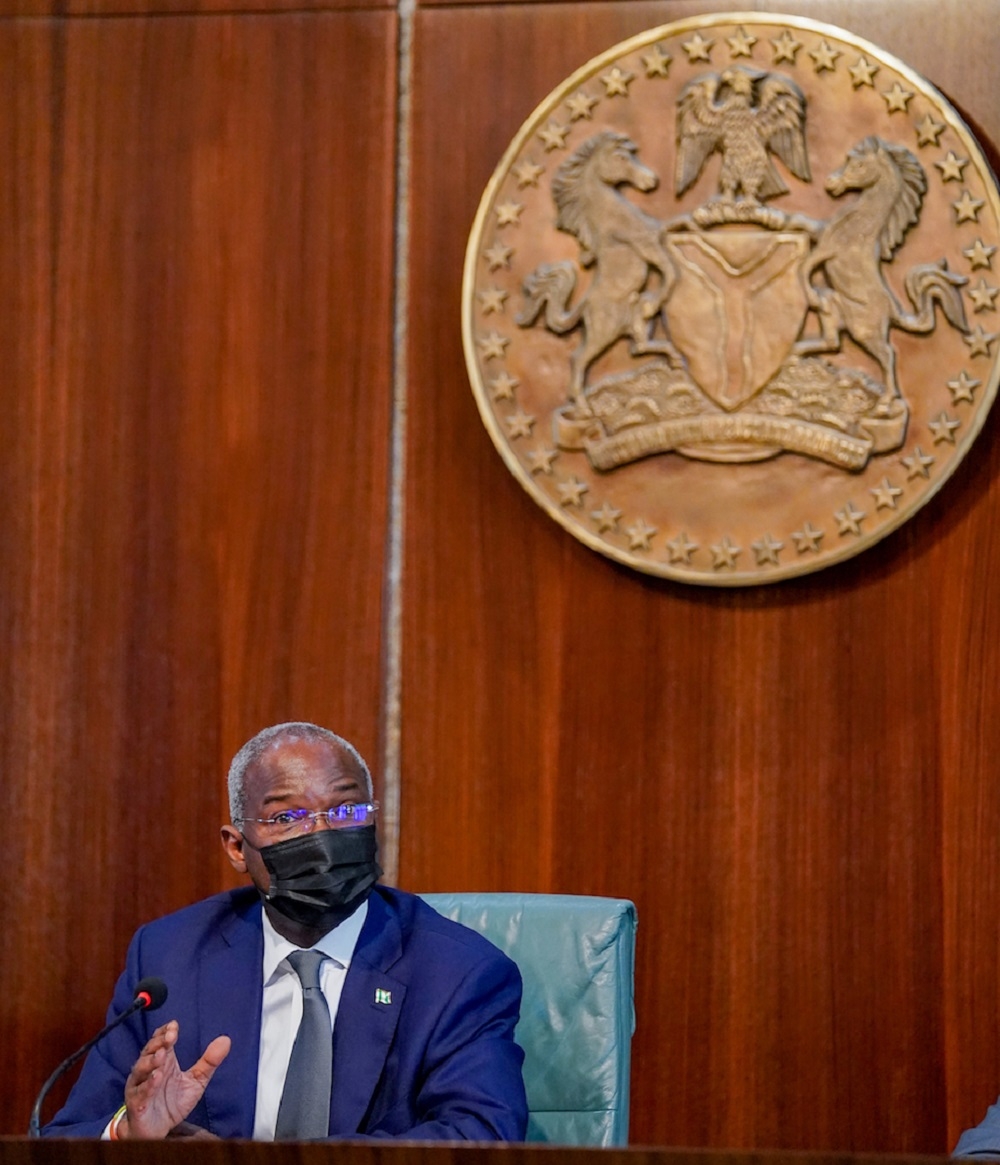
[577, 957]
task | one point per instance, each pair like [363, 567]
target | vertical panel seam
[393, 593]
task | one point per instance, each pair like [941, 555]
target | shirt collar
[338, 944]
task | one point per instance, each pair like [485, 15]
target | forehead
[308, 772]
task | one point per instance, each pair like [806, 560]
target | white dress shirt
[281, 1010]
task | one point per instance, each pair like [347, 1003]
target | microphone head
[152, 991]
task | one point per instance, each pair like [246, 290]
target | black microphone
[150, 994]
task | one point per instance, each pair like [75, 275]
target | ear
[232, 843]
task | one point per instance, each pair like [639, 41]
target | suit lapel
[366, 1018]
[230, 994]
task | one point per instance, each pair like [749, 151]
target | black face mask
[321, 878]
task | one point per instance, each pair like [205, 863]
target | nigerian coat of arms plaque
[730, 298]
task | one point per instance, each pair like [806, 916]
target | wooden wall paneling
[61, 8]
[967, 684]
[30, 696]
[206, 7]
[769, 773]
[194, 502]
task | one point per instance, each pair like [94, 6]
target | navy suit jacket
[984, 1139]
[423, 1043]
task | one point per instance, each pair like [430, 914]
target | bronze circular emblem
[728, 306]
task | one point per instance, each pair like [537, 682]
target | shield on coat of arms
[736, 308]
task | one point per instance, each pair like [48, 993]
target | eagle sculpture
[743, 113]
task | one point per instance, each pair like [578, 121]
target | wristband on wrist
[115, 1121]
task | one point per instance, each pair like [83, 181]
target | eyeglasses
[291, 821]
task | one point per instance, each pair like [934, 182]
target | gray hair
[254, 749]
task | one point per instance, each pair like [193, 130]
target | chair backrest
[576, 955]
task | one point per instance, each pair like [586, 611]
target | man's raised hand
[158, 1095]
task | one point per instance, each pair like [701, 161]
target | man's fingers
[163, 1038]
[147, 1064]
[165, 1034]
[211, 1058]
[217, 1050]
[158, 1094]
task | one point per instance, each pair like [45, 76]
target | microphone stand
[142, 1000]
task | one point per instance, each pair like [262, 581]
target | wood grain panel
[62, 8]
[189, 7]
[197, 324]
[786, 780]
[21, 1151]
[32, 652]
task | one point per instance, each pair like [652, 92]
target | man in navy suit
[422, 1010]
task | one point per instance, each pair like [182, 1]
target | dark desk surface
[22, 1151]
